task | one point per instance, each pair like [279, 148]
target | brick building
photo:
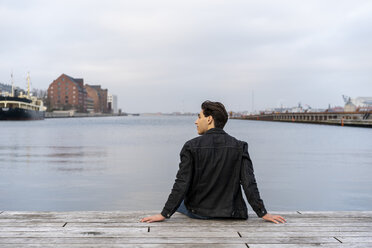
[66, 93]
[99, 97]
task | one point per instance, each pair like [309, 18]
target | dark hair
[217, 111]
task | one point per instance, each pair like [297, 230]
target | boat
[21, 106]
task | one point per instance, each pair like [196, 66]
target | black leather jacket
[212, 170]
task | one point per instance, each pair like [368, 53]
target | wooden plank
[82, 229]
[272, 228]
[168, 240]
[339, 245]
[99, 215]
[115, 233]
[336, 213]
[78, 214]
[195, 234]
[120, 214]
[117, 213]
[305, 234]
[30, 224]
[187, 220]
[143, 233]
[160, 229]
[215, 225]
[139, 245]
[256, 221]
[361, 239]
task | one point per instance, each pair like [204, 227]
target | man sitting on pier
[212, 170]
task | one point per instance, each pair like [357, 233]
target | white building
[362, 101]
[112, 103]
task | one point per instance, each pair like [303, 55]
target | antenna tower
[11, 76]
[28, 84]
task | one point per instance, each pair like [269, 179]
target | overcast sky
[165, 56]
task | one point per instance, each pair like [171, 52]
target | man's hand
[274, 218]
[154, 218]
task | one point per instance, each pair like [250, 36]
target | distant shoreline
[50, 115]
[356, 119]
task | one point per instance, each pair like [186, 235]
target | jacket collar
[215, 130]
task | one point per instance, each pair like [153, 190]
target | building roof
[96, 88]
[78, 81]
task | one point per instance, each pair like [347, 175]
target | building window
[63, 79]
[59, 83]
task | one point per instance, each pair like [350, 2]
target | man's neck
[211, 126]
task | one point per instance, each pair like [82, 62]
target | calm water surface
[129, 163]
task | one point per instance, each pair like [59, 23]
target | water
[129, 163]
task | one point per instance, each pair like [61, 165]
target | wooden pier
[123, 229]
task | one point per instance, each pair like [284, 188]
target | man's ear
[210, 119]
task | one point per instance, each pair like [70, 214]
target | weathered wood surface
[123, 229]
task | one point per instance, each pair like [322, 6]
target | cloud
[170, 55]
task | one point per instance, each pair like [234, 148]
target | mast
[28, 84]
[11, 76]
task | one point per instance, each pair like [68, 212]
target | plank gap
[337, 239]
[239, 234]
[148, 229]
[299, 212]
[64, 224]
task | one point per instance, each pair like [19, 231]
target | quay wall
[359, 119]
[73, 115]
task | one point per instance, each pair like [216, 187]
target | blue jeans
[183, 210]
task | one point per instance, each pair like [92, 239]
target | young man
[212, 170]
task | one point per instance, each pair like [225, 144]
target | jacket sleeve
[181, 184]
[248, 181]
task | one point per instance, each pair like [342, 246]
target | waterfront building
[99, 97]
[336, 109]
[112, 103]
[89, 102]
[67, 93]
[362, 101]
[350, 107]
[359, 102]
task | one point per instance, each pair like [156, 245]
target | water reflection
[69, 169]
[88, 157]
[130, 163]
